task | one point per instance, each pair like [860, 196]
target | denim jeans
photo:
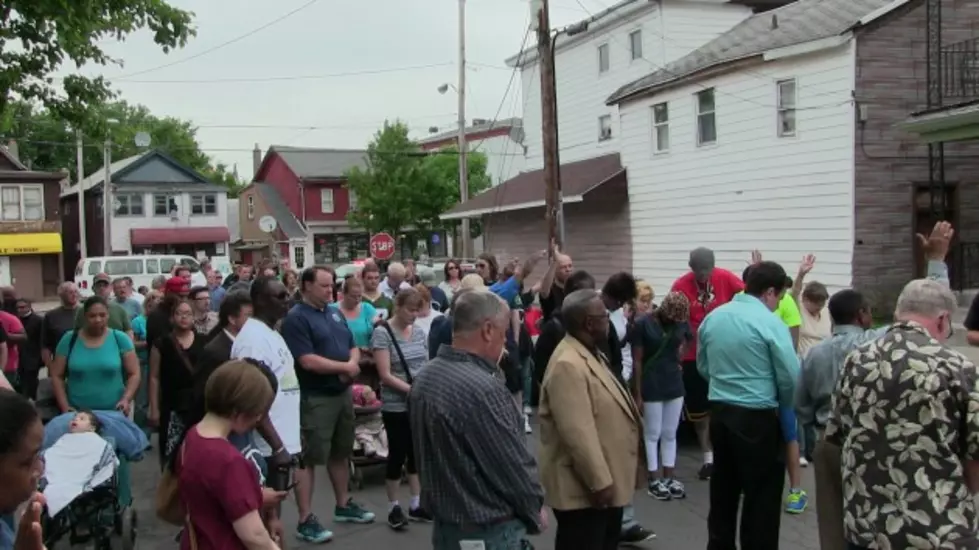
[628, 518]
[508, 535]
[527, 373]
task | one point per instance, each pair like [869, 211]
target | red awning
[179, 235]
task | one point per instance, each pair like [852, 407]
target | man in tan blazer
[590, 432]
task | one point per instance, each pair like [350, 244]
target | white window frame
[251, 207]
[201, 201]
[658, 145]
[608, 58]
[604, 135]
[169, 197]
[127, 201]
[21, 203]
[701, 142]
[327, 201]
[633, 54]
[786, 111]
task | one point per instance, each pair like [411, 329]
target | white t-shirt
[621, 326]
[386, 289]
[425, 323]
[257, 341]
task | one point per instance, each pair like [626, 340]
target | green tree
[404, 186]
[47, 142]
[38, 37]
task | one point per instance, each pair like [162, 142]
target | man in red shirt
[706, 287]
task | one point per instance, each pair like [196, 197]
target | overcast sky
[330, 37]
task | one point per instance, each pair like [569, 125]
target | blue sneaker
[352, 513]
[311, 530]
[796, 502]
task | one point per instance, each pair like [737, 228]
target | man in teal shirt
[746, 355]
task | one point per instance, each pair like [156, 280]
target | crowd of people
[255, 381]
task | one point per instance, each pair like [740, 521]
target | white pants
[661, 421]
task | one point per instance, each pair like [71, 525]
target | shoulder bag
[169, 507]
[401, 355]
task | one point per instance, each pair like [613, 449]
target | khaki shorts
[327, 423]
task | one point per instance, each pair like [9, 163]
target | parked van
[142, 269]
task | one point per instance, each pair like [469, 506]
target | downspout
[302, 200]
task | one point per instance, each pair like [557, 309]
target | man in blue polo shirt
[326, 363]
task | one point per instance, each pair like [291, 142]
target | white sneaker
[803, 462]
[527, 429]
[528, 410]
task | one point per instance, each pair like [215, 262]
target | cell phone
[292, 485]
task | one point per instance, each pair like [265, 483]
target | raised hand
[755, 257]
[935, 245]
[808, 262]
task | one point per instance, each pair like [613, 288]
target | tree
[37, 37]
[403, 186]
[48, 143]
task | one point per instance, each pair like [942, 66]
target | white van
[142, 269]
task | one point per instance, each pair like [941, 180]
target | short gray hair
[396, 268]
[66, 287]
[158, 282]
[925, 297]
[473, 308]
[574, 309]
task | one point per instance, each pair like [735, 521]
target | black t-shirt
[30, 351]
[553, 302]
[972, 319]
[662, 378]
[55, 324]
[157, 324]
[176, 377]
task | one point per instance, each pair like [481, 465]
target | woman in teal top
[360, 315]
[95, 367]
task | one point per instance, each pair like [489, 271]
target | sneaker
[803, 462]
[658, 490]
[635, 535]
[311, 530]
[420, 515]
[352, 513]
[796, 502]
[397, 519]
[705, 471]
[676, 489]
[527, 428]
[528, 410]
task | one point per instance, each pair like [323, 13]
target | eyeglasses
[480, 264]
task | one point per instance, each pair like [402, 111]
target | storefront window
[340, 249]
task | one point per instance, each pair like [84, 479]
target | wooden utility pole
[463, 145]
[549, 127]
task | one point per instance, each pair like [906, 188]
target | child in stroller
[83, 486]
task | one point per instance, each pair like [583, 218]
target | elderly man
[395, 280]
[122, 296]
[589, 432]
[118, 317]
[747, 358]
[552, 289]
[216, 291]
[479, 481]
[706, 287]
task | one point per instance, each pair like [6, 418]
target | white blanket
[74, 465]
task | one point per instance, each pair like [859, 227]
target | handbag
[169, 507]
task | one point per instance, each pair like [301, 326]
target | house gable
[158, 167]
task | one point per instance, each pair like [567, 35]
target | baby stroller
[368, 377]
[86, 485]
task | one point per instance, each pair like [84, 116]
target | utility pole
[107, 198]
[80, 169]
[463, 146]
[549, 129]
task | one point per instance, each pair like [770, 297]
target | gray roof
[512, 123]
[280, 211]
[314, 163]
[96, 178]
[797, 23]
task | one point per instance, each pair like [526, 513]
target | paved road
[679, 524]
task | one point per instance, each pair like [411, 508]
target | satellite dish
[116, 204]
[142, 139]
[267, 224]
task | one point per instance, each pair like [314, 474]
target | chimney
[256, 160]
[13, 150]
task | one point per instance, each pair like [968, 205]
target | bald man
[552, 284]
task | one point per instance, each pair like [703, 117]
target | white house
[753, 141]
[159, 205]
[500, 140]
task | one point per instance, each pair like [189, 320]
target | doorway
[924, 220]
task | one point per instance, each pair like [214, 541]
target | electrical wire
[222, 45]
[290, 78]
[513, 77]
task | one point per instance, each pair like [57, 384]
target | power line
[513, 76]
[221, 45]
[290, 78]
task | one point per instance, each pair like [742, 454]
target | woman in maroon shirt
[218, 486]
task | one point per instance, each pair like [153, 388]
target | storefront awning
[15, 244]
[179, 235]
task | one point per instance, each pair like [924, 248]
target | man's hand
[603, 498]
[755, 257]
[808, 262]
[543, 519]
[353, 369]
[29, 535]
[271, 497]
[936, 244]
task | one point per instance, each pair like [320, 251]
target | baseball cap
[176, 285]
[701, 260]
[427, 277]
[101, 278]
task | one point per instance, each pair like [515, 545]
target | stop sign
[382, 246]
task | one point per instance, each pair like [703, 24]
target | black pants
[749, 460]
[27, 379]
[401, 453]
[588, 529]
[851, 546]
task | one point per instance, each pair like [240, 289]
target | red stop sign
[382, 246]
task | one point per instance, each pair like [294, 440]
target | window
[166, 265]
[300, 259]
[604, 127]
[129, 204]
[603, 58]
[635, 44]
[661, 127]
[94, 268]
[204, 205]
[786, 107]
[190, 264]
[706, 119]
[33, 203]
[251, 207]
[118, 268]
[164, 205]
[152, 266]
[326, 201]
[22, 203]
[10, 195]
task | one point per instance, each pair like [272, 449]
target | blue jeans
[628, 518]
[508, 535]
[527, 373]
